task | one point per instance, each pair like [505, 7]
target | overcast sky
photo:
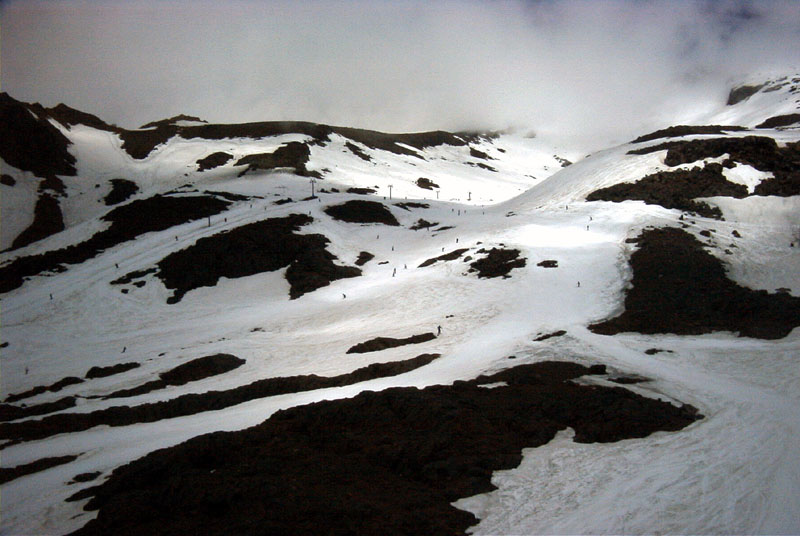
[604, 69]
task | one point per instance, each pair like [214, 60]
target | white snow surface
[735, 471]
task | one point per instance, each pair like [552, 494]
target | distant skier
[124, 348]
[438, 330]
[579, 284]
[394, 272]
[344, 296]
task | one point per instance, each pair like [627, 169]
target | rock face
[686, 130]
[780, 121]
[194, 370]
[451, 256]
[498, 262]
[263, 246]
[127, 222]
[47, 220]
[102, 372]
[426, 184]
[31, 142]
[294, 155]
[388, 462]
[676, 189]
[680, 288]
[214, 160]
[760, 152]
[191, 404]
[358, 211]
[382, 343]
[742, 93]
[121, 190]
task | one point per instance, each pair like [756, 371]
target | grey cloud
[595, 70]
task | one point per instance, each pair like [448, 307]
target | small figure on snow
[438, 330]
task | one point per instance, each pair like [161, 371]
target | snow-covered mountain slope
[229, 255]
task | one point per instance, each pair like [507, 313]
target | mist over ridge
[591, 72]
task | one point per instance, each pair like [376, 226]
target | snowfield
[733, 471]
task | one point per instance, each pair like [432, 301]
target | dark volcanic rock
[191, 404]
[497, 262]
[213, 160]
[314, 268]
[451, 256]
[382, 343]
[85, 477]
[130, 277]
[294, 154]
[173, 120]
[482, 166]
[102, 372]
[628, 380]
[9, 412]
[8, 180]
[139, 143]
[258, 247]
[757, 151]
[475, 153]
[47, 221]
[194, 370]
[39, 389]
[361, 191]
[675, 189]
[783, 185]
[408, 205]
[426, 184]
[559, 333]
[548, 263]
[229, 196]
[364, 257]
[31, 142]
[390, 462]
[680, 288]
[358, 211]
[121, 190]
[127, 222]
[686, 130]
[742, 93]
[356, 150]
[70, 116]
[423, 224]
[389, 142]
[201, 368]
[7, 474]
[780, 121]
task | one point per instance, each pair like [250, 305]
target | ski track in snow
[734, 471]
